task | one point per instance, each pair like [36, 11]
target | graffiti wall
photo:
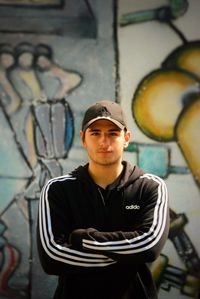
[57, 58]
[159, 54]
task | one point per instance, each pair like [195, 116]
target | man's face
[105, 142]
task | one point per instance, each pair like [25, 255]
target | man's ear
[127, 137]
[82, 137]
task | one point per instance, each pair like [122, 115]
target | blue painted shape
[69, 130]
[154, 159]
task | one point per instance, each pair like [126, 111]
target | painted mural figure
[101, 224]
[11, 255]
[10, 103]
[66, 80]
[24, 78]
[53, 133]
[31, 62]
[35, 121]
[9, 96]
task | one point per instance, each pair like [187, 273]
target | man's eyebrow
[115, 130]
[92, 130]
[110, 130]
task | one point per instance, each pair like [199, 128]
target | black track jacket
[99, 244]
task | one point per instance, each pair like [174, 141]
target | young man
[100, 225]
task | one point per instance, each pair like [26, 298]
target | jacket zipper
[102, 198]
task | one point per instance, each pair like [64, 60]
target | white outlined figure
[24, 78]
[8, 94]
[67, 80]
[43, 131]
[25, 54]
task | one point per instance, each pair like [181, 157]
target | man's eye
[113, 134]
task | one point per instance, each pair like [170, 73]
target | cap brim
[117, 123]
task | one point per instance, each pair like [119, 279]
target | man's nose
[104, 140]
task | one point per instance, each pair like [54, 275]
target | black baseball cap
[105, 109]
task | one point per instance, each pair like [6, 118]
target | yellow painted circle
[159, 101]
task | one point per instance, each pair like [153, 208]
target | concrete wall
[56, 59]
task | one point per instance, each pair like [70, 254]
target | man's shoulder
[61, 180]
[138, 176]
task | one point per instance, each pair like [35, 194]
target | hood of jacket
[130, 174]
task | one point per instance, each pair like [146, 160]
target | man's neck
[104, 175]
